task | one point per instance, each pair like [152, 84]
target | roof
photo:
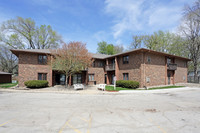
[98, 56]
[5, 73]
[48, 51]
[149, 51]
[17, 51]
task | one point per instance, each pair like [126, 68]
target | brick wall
[98, 73]
[132, 68]
[29, 68]
[181, 72]
[155, 70]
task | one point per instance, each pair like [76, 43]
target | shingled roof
[97, 56]
[5, 73]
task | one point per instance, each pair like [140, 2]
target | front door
[170, 77]
[105, 78]
[113, 78]
[77, 79]
[60, 79]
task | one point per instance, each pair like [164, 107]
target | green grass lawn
[165, 87]
[111, 88]
[7, 85]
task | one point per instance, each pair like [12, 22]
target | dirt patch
[151, 110]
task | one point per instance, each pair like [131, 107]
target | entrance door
[105, 78]
[60, 79]
[77, 79]
[113, 78]
[170, 77]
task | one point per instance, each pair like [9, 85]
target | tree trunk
[66, 82]
[195, 73]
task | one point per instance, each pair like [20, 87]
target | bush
[36, 83]
[127, 84]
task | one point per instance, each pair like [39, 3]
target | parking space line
[83, 119]
[76, 130]
[63, 127]
[89, 126]
[161, 129]
[7, 122]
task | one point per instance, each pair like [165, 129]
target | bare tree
[191, 31]
[25, 34]
[71, 58]
[137, 42]
[8, 61]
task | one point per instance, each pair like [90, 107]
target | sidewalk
[93, 90]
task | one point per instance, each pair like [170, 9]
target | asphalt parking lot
[145, 112]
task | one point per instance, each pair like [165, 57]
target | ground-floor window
[91, 77]
[125, 76]
[77, 78]
[42, 76]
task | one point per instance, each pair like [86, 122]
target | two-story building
[148, 67]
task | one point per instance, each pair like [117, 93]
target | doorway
[60, 79]
[105, 78]
[77, 79]
[170, 77]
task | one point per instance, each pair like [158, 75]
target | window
[125, 76]
[42, 76]
[77, 78]
[42, 59]
[93, 64]
[91, 77]
[149, 59]
[100, 64]
[125, 59]
[169, 60]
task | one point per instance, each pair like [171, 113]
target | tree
[8, 61]
[161, 41]
[102, 47]
[191, 31]
[137, 42]
[118, 49]
[23, 33]
[110, 49]
[71, 58]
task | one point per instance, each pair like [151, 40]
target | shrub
[36, 83]
[127, 84]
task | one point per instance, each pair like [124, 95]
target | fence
[193, 79]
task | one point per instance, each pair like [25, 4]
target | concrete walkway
[93, 90]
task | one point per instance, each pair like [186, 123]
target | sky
[92, 21]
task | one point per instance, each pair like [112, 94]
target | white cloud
[143, 16]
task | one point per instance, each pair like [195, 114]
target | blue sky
[91, 21]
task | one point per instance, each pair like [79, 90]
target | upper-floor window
[93, 64]
[42, 59]
[125, 76]
[169, 60]
[42, 76]
[101, 64]
[125, 59]
[148, 59]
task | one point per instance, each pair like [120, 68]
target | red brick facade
[145, 66]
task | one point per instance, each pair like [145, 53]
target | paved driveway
[141, 112]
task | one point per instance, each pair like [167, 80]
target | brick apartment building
[149, 67]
